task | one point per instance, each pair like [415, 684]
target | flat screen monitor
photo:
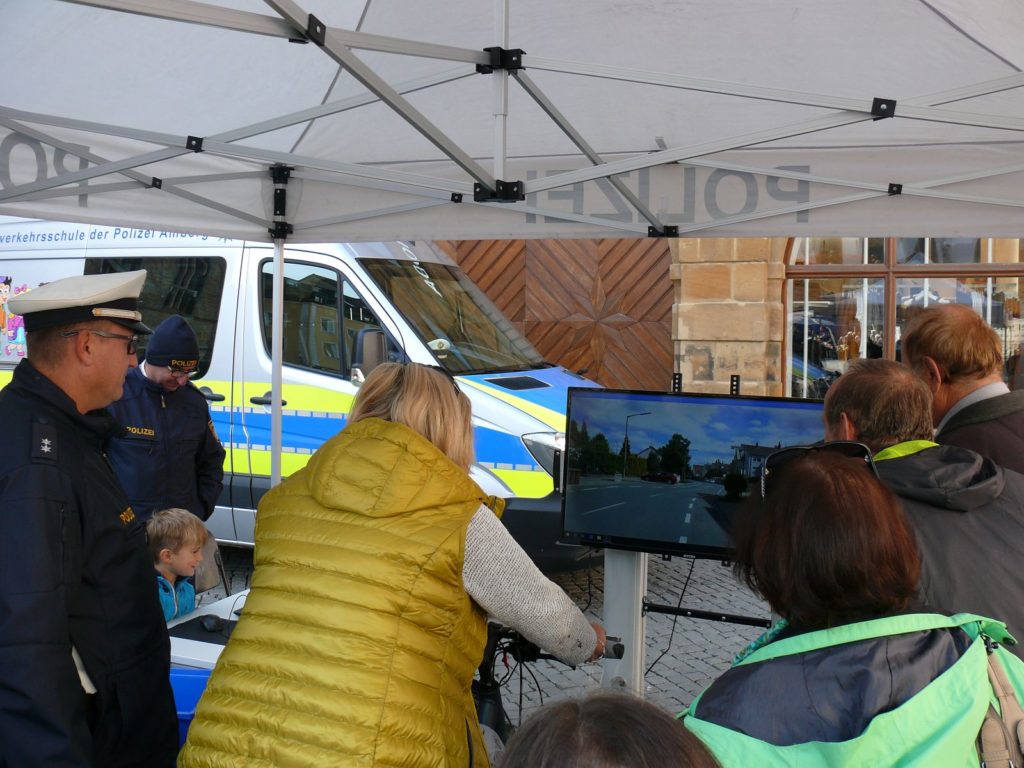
[666, 473]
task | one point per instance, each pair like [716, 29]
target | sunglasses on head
[848, 448]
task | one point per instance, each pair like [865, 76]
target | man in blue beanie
[168, 454]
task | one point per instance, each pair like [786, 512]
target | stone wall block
[750, 282]
[711, 282]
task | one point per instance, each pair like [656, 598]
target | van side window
[188, 286]
[323, 317]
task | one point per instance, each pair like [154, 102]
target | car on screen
[661, 477]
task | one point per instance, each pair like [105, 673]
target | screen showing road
[665, 473]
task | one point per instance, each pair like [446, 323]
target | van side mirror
[371, 349]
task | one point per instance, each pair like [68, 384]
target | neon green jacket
[935, 728]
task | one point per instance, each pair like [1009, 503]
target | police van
[347, 308]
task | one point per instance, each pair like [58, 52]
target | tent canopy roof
[626, 117]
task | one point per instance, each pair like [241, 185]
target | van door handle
[212, 396]
[265, 400]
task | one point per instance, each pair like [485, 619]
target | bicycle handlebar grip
[614, 648]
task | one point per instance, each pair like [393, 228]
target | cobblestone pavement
[683, 655]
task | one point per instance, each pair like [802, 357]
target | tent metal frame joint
[456, 197]
[883, 108]
[509, 59]
[667, 230]
[280, 230]
[895, 189]
[503, 192]
[194, 143]
[316, 30]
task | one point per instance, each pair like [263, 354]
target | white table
[200, 655]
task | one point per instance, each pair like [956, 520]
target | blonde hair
[956, 337]
[173, 529]
[424, 398]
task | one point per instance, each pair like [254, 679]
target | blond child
[176, 539]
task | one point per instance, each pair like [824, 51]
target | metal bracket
[677, 382]
[280, 231]
[895, 189]
[670, 230]
[194, 143]
[883, 108]
[734, 385]
[156, 183]
[504, 192]
[502, 58]
[280, 174]
[316, 30]
[456, 197]
[280, 201]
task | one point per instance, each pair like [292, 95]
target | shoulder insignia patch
[44, 440]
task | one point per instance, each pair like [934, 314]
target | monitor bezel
[654, 547]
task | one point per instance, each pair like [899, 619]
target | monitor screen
[665, 473]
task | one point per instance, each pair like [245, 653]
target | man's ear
[846, 428]
[82, 347]
[932, 373]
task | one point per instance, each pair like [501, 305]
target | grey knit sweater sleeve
[503, 580]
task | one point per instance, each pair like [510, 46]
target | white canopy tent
[739, 117]
[346, 120]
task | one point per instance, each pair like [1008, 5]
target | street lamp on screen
[625, 440]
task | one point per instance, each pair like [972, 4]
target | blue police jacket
[168, 454]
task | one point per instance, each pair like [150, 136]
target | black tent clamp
[505, 192]
[510, 59]
[883, 108]
[669, 230]
[280, 175]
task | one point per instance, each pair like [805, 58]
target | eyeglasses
[132, 340]
[181, 373]
[848, 448]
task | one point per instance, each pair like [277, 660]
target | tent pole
[500, 91]
[276, 354]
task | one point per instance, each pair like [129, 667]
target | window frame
[889, 272]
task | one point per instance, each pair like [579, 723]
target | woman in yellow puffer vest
[375, 569]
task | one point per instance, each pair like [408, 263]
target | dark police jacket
[168, 455]
[74, 571]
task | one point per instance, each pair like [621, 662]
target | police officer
[168, 454]
[84, 652]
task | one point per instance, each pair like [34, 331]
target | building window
[848, 298]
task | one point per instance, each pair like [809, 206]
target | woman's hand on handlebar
[602, 638]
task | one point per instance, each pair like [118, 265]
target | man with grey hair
[967, 512]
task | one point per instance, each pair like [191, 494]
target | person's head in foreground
[605, 730]
[826, 543]
[424, 398]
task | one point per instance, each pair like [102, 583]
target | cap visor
[136, 325]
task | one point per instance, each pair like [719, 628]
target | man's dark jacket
[74, 570]
[968, 514]
[993, 427]
[169, 454]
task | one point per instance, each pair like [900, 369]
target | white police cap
[113, 296]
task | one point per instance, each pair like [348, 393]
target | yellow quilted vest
[358, 643]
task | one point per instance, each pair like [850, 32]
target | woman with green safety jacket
[851, 675]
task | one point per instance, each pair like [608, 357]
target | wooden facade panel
[600, 305]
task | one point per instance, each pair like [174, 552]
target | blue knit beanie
[173, 343]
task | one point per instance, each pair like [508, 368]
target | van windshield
[463, 328]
